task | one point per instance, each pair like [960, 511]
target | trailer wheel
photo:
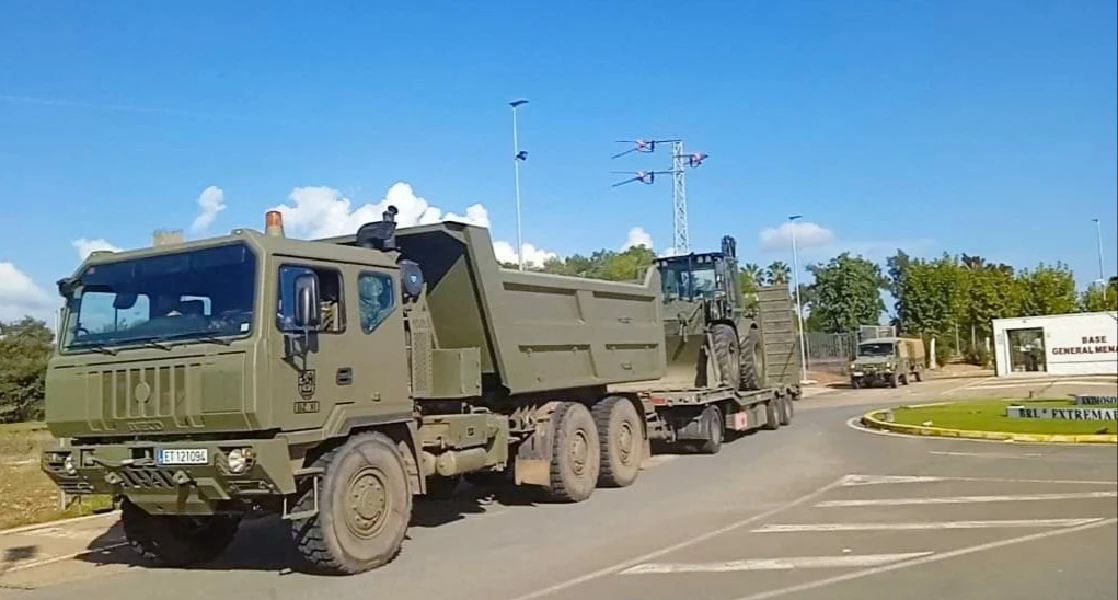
[715, 428]
[773, 414]
[576, 453]
[787, 410]
[621, 438]
[752, 363]
[364, 507]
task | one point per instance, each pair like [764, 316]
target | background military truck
[887, 360]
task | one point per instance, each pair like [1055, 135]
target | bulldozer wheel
[365, 503]
[726, 354]
[621, 438]
[752, 363]
[575, 458]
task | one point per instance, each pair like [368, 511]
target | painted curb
[870, 420]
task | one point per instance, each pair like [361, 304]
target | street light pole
[799, 307]
[517, 157]
[1098, 236]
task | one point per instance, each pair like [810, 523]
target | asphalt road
[816, 510]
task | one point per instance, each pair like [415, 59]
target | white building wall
[1074, 344]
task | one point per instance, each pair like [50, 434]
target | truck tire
[726, 354]
[365, 504]
[715, 428]
[893, 380]
[174, 541]
[575, 457]
[752, 361]
[621, 441]
[773, 412]
[787, 410]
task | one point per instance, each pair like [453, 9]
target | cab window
[377, 296]
[330, 297]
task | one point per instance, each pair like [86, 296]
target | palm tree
[754, 273]
[778, 273]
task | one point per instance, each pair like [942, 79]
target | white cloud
[210, 202]
[85, 247]
[808, 235]
[533, 256]
[20, 296]
[637, 237]
[319, 212]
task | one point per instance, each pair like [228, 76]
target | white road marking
[850, 480]
[924, 525]
[677, 546]
[962, 499]
[774, 564]
[989, 454]
[996, 385]
[820, 583]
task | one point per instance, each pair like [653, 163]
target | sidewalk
[49, 543]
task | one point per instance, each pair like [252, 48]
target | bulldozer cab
[708, 279]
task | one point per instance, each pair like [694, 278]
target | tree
[847, 293]
[1099, 298]
[754, 274]
[25, 347]
[897, 266]
[929, 295]
[604, 264]
[777, 273]
[1048, 290]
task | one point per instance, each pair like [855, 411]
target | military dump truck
[331, 381]
[887, 360]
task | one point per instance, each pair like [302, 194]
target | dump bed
[536, 331]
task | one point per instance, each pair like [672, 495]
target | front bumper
[192, 478]
[871, 376]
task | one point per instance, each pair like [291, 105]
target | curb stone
[871, 420]
[58, 523]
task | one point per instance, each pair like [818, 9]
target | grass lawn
[989, 415]
[26, 495]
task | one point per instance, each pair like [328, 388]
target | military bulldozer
[712, 330]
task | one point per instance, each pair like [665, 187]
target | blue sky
[987, 127]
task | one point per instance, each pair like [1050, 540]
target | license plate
[184, 456]
[858, 373]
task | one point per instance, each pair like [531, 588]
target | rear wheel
[715, 428]
[575, 460]
[787, 410]
[752, 363]
[621, 441]
[365, 503]
[773, 412]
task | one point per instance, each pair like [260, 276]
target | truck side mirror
[308, 310]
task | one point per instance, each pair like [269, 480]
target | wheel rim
[626, 446]
[578, 452]
[368, 503]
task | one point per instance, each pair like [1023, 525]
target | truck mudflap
[174, 477]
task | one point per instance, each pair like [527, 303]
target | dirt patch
[29, 495]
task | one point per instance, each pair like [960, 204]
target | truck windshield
[876, 349]
[684, 281]
[205, 293]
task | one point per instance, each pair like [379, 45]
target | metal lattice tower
[679, 200]
[680, 161]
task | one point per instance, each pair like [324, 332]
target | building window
[377, 296]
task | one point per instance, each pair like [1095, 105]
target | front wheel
[176, 541]
[364, 507]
